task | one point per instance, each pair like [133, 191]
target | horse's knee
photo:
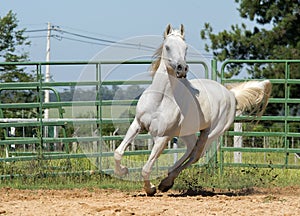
[145, 174]
[117, 155]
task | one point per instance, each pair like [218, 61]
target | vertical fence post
[40, 108]
[221, 162]
[175, 146]
[214, 70]
[238, 142]
[214, 76]
[99, 115]
[286, 111]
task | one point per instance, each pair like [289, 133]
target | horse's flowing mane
[156, 60]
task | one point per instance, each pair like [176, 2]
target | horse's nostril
[186, 68]
[179, 67]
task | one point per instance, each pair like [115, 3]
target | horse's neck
[164, 82]
[176, 91]
[161, 82]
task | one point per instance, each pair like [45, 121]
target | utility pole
[47, 75]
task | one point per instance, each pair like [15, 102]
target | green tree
[281, 40]
[12, 43]
[276, 35]
[12, 46]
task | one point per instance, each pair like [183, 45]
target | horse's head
[174, 52]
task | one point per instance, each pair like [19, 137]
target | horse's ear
[168, 30]
[182, 30]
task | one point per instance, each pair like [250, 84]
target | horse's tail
[251, 96]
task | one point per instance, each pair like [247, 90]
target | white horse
[174, 106]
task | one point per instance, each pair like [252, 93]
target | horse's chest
[159, 121]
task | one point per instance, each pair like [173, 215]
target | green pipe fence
[285, 140]
[36, 148]
[261, 147]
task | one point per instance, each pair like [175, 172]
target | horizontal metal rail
[86, 155]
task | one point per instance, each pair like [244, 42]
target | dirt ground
[112, 202]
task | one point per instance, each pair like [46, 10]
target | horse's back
[212, 89]
[216, 98]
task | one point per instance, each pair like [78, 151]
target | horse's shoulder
[145, 102]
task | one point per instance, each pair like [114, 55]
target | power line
[91, 33]
[83, 41]
[37, 36]
[120, 45]
[35, 30]
[105, 40]
[98, 40]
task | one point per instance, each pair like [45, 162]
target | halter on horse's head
[172, 52]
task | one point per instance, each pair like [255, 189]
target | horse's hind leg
[132, 132]
[190, 142]
[197, 151]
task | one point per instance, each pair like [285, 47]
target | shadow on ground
[213, 192]
[204, 193]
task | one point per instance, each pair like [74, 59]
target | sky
[141, 23]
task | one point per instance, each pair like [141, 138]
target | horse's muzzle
[181, 70]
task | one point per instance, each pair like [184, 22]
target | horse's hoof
[150, 191]
[163, 187]
[122, 171]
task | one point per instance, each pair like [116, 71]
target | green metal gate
[270, 147]
[38, 147]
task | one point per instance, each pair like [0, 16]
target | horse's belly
[192, 124]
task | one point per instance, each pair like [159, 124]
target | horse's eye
[167, 47]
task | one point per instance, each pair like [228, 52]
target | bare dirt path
[112, 202]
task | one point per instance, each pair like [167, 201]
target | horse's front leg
[159, 145]
[132, 132]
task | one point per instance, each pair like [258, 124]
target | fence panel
[275, 140]
[78, 129]
[82, 133]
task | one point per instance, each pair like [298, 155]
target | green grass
[194, 178]
[71, 182]
[60, 174]
[271, 158]
[237, 178]
[76, 173]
